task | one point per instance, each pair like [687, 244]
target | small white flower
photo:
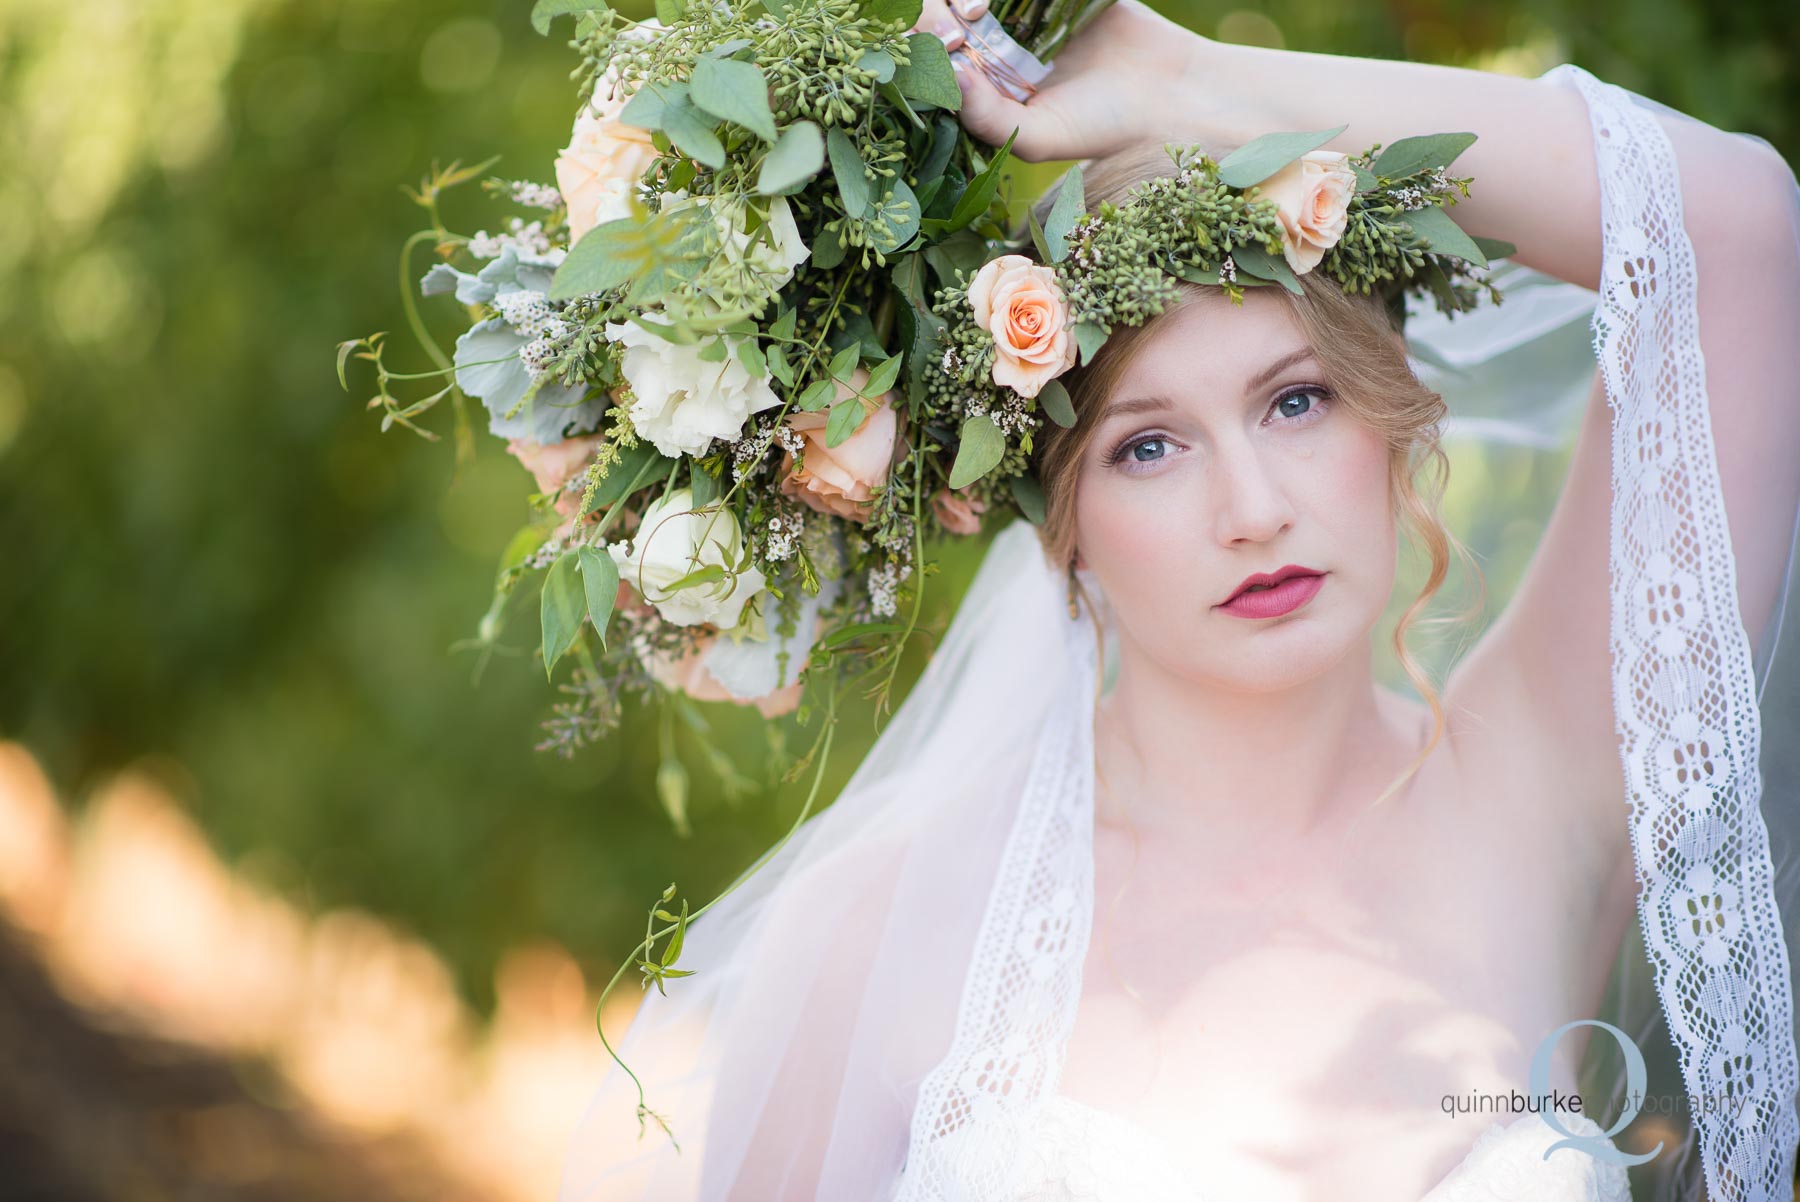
[667, 546]
[683, 402]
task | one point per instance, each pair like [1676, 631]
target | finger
[971, 10]
[988, 113]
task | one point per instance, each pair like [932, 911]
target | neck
[1184, 759]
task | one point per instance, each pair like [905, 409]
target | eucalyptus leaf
[1264, 266]
[1037, 235]
[1495, 248]
[828, 249]
[893, 96]
[546, 11]
[691, 131]
[1030, 496]
[600, 581]
[1257, 160]
[1409, 156]
[1444, 235]
[1053, 398]
[1064, 214]
[903, 13]
[561, 608]
[897, 218]
[732, 91]
[879, 63]
[964, 251]
[1089, 338]
[982, 447]
[794, 159]
[848, 169]
[645, 108]
[929, 76]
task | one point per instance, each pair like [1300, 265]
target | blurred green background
[216, 566]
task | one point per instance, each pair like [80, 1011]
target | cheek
[1350, 496]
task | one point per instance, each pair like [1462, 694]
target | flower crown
[1273, 210]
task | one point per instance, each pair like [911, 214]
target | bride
[1199, 909]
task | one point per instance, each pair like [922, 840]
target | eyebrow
[1161, 404]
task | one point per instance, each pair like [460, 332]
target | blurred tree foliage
[212, 557]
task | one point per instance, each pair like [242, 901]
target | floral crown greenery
[767, 332]
[1273, 210]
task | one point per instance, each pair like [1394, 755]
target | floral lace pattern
[1683, 686]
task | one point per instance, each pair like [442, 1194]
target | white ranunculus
[667, 546]
[683, 402]
[774, 263]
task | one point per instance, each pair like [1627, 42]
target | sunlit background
[290, 906]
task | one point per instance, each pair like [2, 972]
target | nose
[1250, 501]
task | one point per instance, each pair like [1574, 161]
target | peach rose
[842, 480]
[688, 674]
[1312, 198]
[598, 170]
[1020, 303]
[956, 513]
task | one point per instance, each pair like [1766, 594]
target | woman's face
[1221, 453]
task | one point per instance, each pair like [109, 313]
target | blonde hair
[1362, 354]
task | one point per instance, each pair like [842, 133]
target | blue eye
[1298, 405]
[1138, 449]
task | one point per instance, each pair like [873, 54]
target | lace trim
[1024, 981]
[1683, 691]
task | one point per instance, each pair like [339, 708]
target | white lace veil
[907, 967]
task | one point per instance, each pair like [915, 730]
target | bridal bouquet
[710, 346]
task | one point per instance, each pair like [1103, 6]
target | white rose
[667, 546]
[683, 401]
[1312, 198]
[775, 263]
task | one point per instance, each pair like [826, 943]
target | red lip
[1275, 577]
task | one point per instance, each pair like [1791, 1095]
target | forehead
[1213, 341]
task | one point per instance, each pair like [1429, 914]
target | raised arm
[1536, 186]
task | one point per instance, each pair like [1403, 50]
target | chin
[1279, 656]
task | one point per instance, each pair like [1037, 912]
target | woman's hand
[1110, 86]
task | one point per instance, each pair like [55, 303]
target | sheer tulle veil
[908, 963]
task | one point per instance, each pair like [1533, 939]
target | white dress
[1077, 1153]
